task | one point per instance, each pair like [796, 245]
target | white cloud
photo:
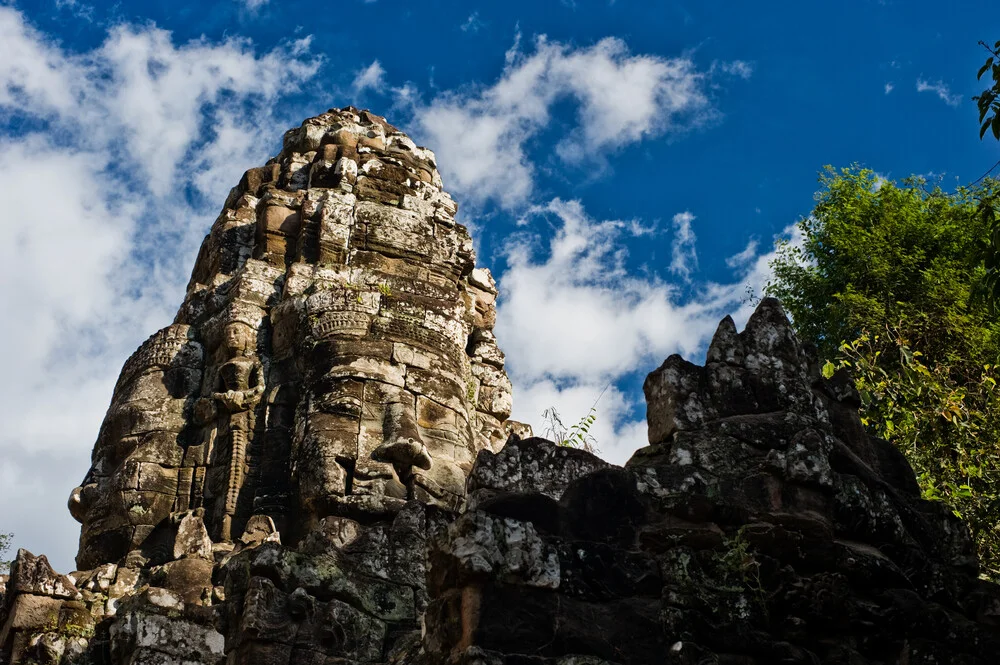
[514, 52]
[889, 87]
[472, 24]
[404, 98]
[482, 136]
[739, 68]
[683, 253]
[618, 429]
[745, 257]
[371, 77]
[752, 273]
[254, 5]
[582, 293]
[941, 90]
[572, 318]
[137, 142]
[77, 9]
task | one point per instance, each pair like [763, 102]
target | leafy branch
[987, 100]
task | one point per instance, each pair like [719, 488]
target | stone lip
[523, 465]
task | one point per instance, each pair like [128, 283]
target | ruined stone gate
[313, 464]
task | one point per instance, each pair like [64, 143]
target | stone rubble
[308, 466]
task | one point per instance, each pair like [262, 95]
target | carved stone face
[132, 483]
[238, 338]
[386, 397]
[401, 382]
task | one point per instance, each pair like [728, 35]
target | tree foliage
[887, 281]
[947, 429]
[988, 100]
[876, 253]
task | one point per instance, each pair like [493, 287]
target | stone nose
[78, 505]
[402, 445]
[403, 453]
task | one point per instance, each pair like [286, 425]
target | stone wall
[308, 466]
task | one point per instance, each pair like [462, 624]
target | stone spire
[334, 355]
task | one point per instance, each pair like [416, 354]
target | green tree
[988, 102]
[885, 281]
[947, 429]
[876, 253]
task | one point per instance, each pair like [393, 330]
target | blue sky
[625, 168]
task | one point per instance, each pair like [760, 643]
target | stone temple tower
[334, 355]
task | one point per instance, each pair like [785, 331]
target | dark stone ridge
[761, 525]
[305, 468]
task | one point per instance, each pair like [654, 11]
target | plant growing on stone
[740, 567]
[575, 436]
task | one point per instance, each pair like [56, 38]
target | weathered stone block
[154, 638]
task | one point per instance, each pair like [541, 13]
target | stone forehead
[173, 346]
[240, 326]
[362, 129]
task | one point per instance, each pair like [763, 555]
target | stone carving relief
[134, 481]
